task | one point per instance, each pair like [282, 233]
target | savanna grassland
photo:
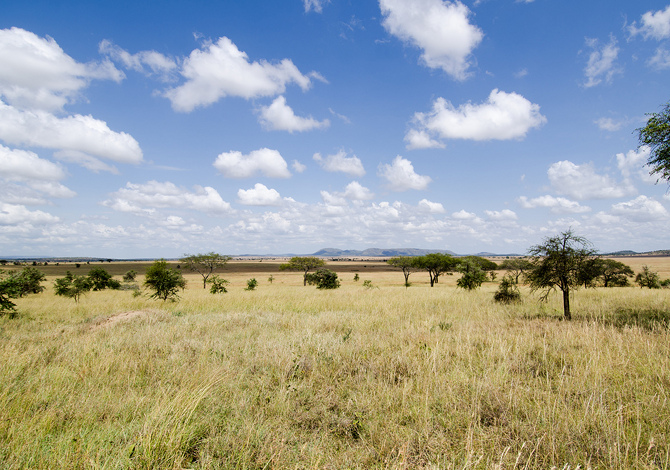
[289, 377]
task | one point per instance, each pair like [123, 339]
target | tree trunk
[566, 305]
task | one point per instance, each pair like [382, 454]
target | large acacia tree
[436, 264]
[656, 135]
[205, 264]
[304, 264]
[558, 263]
[408, 264]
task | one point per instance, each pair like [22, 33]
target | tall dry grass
[291, 377]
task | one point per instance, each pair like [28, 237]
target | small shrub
[251, 284]
[271, 278]
[323, 279]
[218, 285]
[648, 278]
[101, 279]
[368, 284]
[72, 286]
[164, 281]
[507, 292]
[130, 276]
[356, 277]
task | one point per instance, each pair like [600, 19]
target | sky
[156, 129]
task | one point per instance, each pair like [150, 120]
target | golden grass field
[289, 377]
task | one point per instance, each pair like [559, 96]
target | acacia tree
[304, 264]
[615, 273]
[164, 281]
[516, 267]
[72, 286]
[473, 275]
[557, 263]
[656, 135]
[648, 278]
[205, 264]
[436, 264]
[408, 265]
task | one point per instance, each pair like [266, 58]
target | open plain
[287, 376]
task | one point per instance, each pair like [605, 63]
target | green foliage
[101, 279]
[356, 277]
[218, 285]
[72, 286]
[252, 284]
[130, 276]
[163, 281]
[368, 284]
[558, 263]
[436, 264]
[271, 278]
[508, 291]
[205, 264]
[8, 290]
[407, 264]
[517, 267]
[473, 275]
[648, 278]
[28, 281]
[665, 283]
[303, 263]
[323, 279]
[615, 273]
[483, 263]
[656, 135]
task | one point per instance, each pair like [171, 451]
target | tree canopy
[558, 263]
[304, 264]
[656, 135]
[205, 264]
[407, 264]
[436, 264]
[164, 281]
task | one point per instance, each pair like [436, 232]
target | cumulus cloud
[220, 69]
[582, 182]
[432, 207]
[145, 62]
[503, 116]
[441, 29]
[401, 176]
[339, 162]
[357, 192]
[76, 133]
[558, 205]
[602, 62]
[633, 164]
[641, 209]
[14, 214]
[660, 60]
[259, 195]
[139, 198]
[503, 215]
[22, 165]
[655, 25]
[280, 117]
[265, 161]
[421, 139]
[35, 73]
[298, 167]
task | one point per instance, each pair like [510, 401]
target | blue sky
[154, 129]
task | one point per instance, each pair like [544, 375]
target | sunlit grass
[287, 376]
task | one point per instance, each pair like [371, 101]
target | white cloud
[504, 215]
[558, 205]
[634, 164]
[22, 165]
[259, 195]
[421, 140]
[136, 197]
[266, 161]
[503, 116]
[602, 62]
[339, 162]
[609, 124]
[655, 25]
[464, 215]
[441, 29]
[13, 214]
[73, 133]
[400, 175]
[146, 62]
[660, 60]
[220, 69]
[357, 192]
[432, 207]
[35, 73]
[314, 5]
[298, 167]
[641, 209]
[582, 182]
[280, 117]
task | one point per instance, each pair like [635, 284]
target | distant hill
[377, 252]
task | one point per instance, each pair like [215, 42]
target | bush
[28, 281]
[473, 276]
[101, 279]
[648, 278]
[507, 292]
[72, 286]
[218, 285]
[130, 276]
[8, 290]
[251, 284]
[323, 279]
[164, 281]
